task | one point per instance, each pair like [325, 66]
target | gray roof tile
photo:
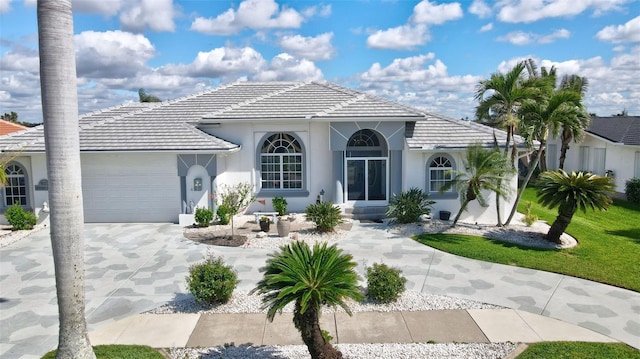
[173, 125]
[624, 130]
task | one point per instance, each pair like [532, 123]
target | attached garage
[130, 187]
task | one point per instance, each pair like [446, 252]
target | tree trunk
[309, 326]
[566, 140]
[532, 168]
[559, 226]
[60, 113]
[462, 208]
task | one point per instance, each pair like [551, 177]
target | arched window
[439, 172]
[15, 192]
[281, 162]
[366, 143]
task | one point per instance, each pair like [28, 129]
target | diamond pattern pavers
[132, 268]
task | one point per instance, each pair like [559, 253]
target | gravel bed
[242, 302]
[354, 351]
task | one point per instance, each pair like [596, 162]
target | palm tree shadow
[632, 234]
[230, 350]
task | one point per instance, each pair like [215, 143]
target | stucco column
[338, 176]
[395, 172]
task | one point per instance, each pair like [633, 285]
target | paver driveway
[131, 268]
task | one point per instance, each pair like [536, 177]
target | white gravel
[354, 351]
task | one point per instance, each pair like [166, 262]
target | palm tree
[570, 193]
[60, 113]
[573, 128]
[485, 169]
[538, 118]
[309, 278]
[506, 93]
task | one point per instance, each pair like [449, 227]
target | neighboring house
[611, 146]
[150, 162]
[7, 127]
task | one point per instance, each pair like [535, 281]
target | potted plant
[265, 223]
[279, 205]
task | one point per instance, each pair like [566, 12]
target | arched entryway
[366, 168]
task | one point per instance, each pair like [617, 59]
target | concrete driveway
[132, 268]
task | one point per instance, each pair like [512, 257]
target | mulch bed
[217, 235]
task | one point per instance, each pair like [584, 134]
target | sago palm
[485, 169]
[309, 278]
[570, 192]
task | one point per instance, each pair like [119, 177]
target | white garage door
[130, 187]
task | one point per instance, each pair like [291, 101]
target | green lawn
[579, 350]
[119, 352]
[608, 249]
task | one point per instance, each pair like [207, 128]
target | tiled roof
[173, 125]
[7, 127]
[438, 132]
[624, 130]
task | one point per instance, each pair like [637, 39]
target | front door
[366, 180]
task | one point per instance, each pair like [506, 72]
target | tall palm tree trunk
[566, 140]
[60, 112]
[532, 168]
[559, 226]
[309, 326]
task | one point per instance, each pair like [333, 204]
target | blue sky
[427, 54]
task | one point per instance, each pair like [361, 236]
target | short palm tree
[309, 278]
[485, 169]
[570, 193]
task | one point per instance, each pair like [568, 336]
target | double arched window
[15, 191]
[439, 171]
[281, 162]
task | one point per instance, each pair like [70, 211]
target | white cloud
[252, 14]
[312, 48]
[5, 6]
[401, 37]
[629, 32]
[487, 27]
[155, 14]
[480, 8]
[111, 54]
[515, 11]
[429, 13]
[521, 38]
[219, 62]
[285, 67]
[104, 8]
[320, 10]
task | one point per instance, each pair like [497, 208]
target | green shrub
[529, 218]
[224, 213]
[407, 207]
[384, 284]
[203, 217]
[325, 215]
[20, 219]
[279, 205]
[212, 281]
[632, 190]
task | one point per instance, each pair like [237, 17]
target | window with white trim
[599, 156]
[281, 162]
[439, 172]
[583, 159]
[636, 169]
[15, 191]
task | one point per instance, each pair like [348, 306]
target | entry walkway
[440, 326]
[133, 268]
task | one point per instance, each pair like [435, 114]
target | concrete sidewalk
[440, 326]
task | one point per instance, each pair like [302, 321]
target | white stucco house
[611, 146]
[147, 162]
